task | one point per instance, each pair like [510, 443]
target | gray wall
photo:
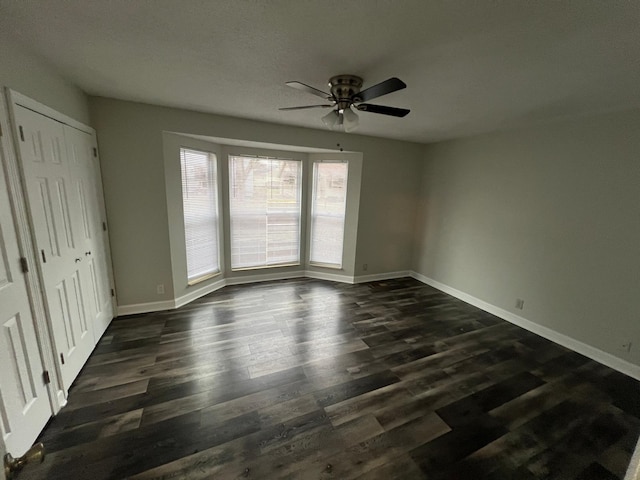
[550, 215]
[34, 78]
[130, 138]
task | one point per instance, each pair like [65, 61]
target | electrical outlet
[626, 346]
[160, 289]
[519, 303]
[365, 267]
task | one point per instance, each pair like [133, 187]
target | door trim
[16, 98]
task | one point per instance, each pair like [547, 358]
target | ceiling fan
[346, 95]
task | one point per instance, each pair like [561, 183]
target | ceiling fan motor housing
[345, 88]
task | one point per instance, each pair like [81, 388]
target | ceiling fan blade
[394, 112]
[305, 106]
[311, 90]
[383, 88]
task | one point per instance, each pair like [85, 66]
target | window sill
[264, 267]
[198, 280]
[326, 265]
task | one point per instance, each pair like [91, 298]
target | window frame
[300, 196]
[310, 220]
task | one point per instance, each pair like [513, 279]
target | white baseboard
[145, 307]
[594, 353]
[381, 276]
[258, 277]
[196, 293]
[332, 277]
[263, 277]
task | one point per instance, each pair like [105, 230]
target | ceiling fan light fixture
[351, 120]
[331, 120]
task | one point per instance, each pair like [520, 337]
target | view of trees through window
[264, 205]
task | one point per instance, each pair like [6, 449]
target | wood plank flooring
[307, 379]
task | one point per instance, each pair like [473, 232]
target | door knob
[78, 260]
[87, 253]
[13, 465]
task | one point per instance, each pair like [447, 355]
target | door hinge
[24, 265]
[21, 133]
[113, 293]
[62, 358]
[95, 152]
[46, 377]
[104, 226]
[44, 256]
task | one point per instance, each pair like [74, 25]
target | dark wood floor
[309, 379]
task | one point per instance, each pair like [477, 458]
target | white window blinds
[264, 204]
[200, 204]
[328, 204]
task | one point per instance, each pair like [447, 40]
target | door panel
[86, 222]
[63, 311]
[24, 401]
[56, 217]
[85, 176]
[62, 200]
[18, 364]
[50, 246]
[79, 304]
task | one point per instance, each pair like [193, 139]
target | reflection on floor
[306, 379]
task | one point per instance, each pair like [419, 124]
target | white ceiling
[470, 65]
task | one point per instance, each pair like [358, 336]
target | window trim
[214, 164]
[333, 266]
[301, 193]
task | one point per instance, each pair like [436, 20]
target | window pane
[328, 205]
[200, 204]
[264, 207]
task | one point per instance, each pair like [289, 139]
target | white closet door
[55, 216]
[24, 403]
[103, 260]
[85, 183]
